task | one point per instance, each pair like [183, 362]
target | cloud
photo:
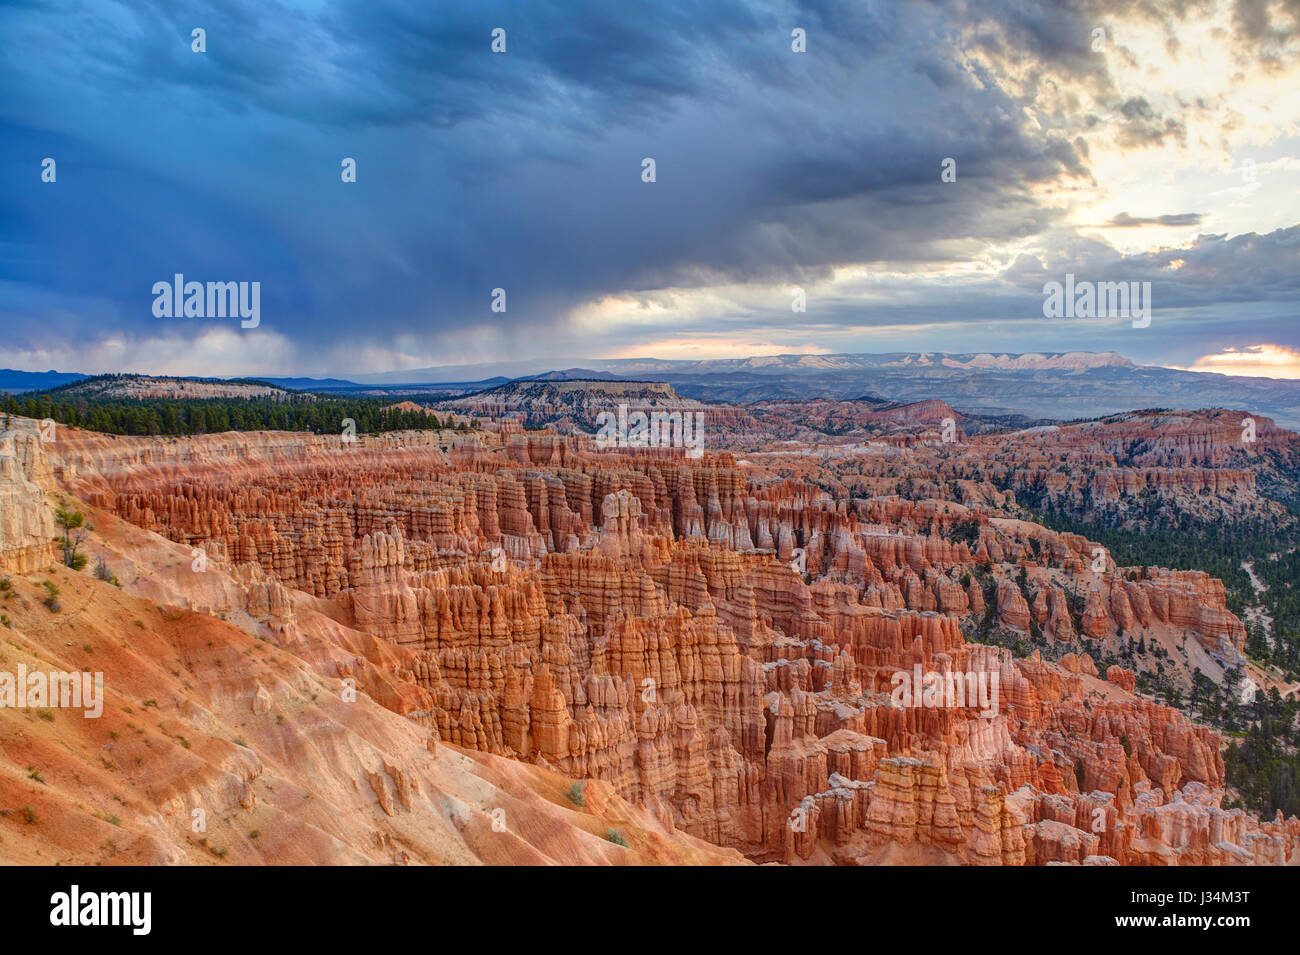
[1123, 220]
[1211, 269]
[522, 170]
[1255, 361]
[204, 350]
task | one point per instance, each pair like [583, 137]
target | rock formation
[712, 643]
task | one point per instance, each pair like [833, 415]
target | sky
[1151, 141]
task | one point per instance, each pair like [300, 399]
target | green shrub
[103, 573]
[51, 595]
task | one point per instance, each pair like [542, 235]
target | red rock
[1012, 608]
[1125, 679]
[647, 631]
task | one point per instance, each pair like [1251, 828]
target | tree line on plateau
[166, 416]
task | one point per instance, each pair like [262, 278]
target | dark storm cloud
[1212, 269]
[522, 170]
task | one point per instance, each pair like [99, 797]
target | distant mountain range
[1059, 385]
[1063, 387]
[766, 365]
[15, 382]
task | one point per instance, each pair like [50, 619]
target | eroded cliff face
[716, 645]
[239, 723]
[1138, 469]
[27, 526]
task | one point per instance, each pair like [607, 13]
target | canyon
[703, 647]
